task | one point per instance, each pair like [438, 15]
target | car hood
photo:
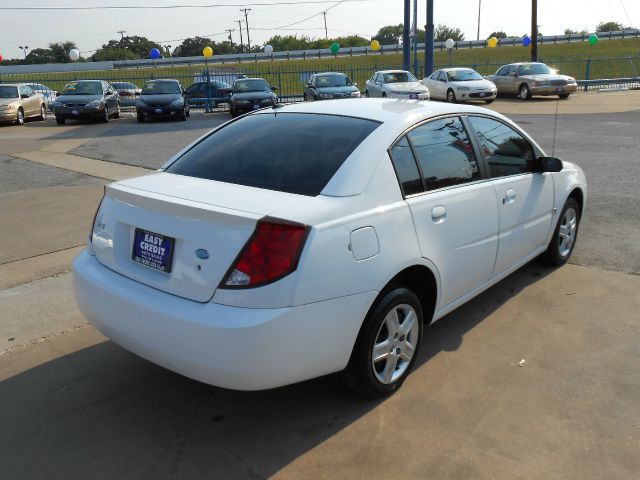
[262, 95]
[475, 84]
[406, 87]
[343, 89]
[545, 76]
[8, 101]
[161, 100]
[78, 98]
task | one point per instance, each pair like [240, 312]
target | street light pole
[241, 41]
[24, 50]
[246, 21]
[406, 45]
[534, 30]
[428, 40]
[326, 35]
[479, 8]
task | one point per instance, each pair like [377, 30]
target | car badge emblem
[202, 254]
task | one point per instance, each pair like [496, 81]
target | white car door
[433, 83]
[525, 198]
[454, 209]
[374, 88]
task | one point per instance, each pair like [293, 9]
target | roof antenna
[555, 129]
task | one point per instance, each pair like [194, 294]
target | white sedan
[460, 85]
[329, 251]
[395, 84]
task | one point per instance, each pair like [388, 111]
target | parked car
[321, 237]
[162, 98]
[395, 84]
[330, 85]
[87, 99]
[251, 94]
[128, 92]
[48, 94]
[18, 101]
[527, 79]
[460, 85]
[216, 90]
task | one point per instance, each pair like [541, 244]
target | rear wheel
[451, 96]
[117, 114]
[183, 116]
[384, 94]
[43, 112]
[525, 93]
[387, 344]
[366, 93]
[60, 120]
[140, 118]
[20, 117]
[564, 96]
[106, 116]
[565, 235]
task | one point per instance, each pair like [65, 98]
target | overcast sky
[90, 29]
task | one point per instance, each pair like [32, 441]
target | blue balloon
[526, 40]
[155, 53]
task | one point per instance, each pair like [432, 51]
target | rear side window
[287, 152]
[445, 153]
[406, 168]
[506, 151]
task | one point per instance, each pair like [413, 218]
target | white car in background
[395, 84]
[460, 85]
[327, 251]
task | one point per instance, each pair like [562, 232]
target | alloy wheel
[567, 232]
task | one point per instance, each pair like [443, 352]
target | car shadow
[102, 412]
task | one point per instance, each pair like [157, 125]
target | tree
[498, 34]
[609, 27]
[443, 32]
[389, 35]
[60, 51]
[192, 47]
[39, 55]
[568, 31]
[110, 54]
[140, 46]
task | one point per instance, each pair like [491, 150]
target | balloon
[593, 39]
[0, 58]
[207, 51]
[375, 45]
[74, 54]
[268, 49]
[335, 47]
[155, 53]
[449, 43]
[526, 41]
[492, 42]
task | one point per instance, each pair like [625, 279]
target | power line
[168, 7]
[337, 3]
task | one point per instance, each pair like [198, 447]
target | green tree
[192, 47]
[443, 32]
[609, 27]
[389, 35]
[498, 34]
[39, 55]
[110, 54]
[140, 46]
[60, 51]
[568, 31]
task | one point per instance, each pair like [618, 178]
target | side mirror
[24, 95]
[549, 164]
[274, 88]
[57, 94]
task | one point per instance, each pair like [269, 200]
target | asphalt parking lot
[75, 405]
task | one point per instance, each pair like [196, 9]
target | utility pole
[246, 21]
[428, 40]
[406, 42]
[414, 28]
[326, 35]
[534, 30]
[24, 50]
[240, 28]
[479, 8]
[230, 38]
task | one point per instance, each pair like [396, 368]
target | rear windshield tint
[287, 152]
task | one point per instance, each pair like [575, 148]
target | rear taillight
[95, 215]
[271, 253]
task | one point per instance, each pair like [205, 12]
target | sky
[90, 29]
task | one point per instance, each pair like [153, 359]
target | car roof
[393, 71]
[162, 80]
[330, 73]
[454, 69]
[11, 84]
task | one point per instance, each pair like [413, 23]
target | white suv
[321, 237]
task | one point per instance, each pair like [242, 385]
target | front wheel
[387, 344]
[60, 120]
[565, 235]
[20, 117]
[525, 93]
[564, 96]
[106, 117]
[117, 114]
[43, 112]
[491, 100]
[366, 93]
[451, 96]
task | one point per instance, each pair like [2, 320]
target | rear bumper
[231, 347]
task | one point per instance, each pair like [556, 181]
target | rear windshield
[83, 88]
[287, 152]
[160, 87]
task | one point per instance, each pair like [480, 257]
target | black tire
[362, 373]
[43, 112]
[188, 111]
[555, 254]
[183, 116]
[20, 116]
[491, 100]
[384, 94]
[117, 114]
[564, 96]
[107, 116]
[366, 93]
[524, 93]
[60, 120]
[232, 111]
[140, 118]
[451, 96]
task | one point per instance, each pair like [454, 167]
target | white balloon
[74, 54]
[449, 43]
[268, 49]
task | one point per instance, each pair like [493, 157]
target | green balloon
[335, 47]
[593, 39]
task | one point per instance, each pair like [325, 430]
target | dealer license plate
[482, 94]
[413, 96]
[158, 110]
[152, 250]
[75, 112]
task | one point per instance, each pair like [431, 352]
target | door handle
[509, 196]
[438, 214]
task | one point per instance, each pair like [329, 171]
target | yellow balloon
[207, 51]
[492, 42]
[375, 45]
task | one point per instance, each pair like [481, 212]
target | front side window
[505, 150]
[435, 75]
[445, 153]
[406, 168]
[8, 91]
[287, 152]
